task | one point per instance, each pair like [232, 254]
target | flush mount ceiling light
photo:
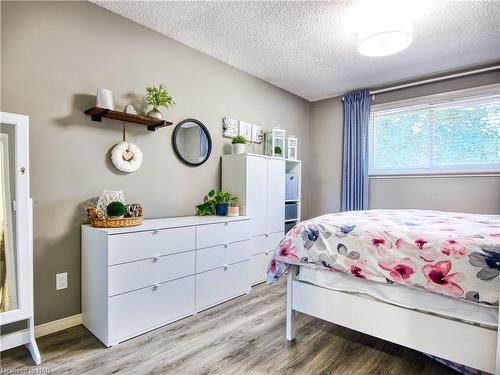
[384, 38]
[383, 27]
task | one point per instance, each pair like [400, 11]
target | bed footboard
[438, 336]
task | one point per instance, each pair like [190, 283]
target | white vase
[105, 99]
[239, 148]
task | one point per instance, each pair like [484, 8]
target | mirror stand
[16, 234]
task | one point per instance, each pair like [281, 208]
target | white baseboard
[58, 325]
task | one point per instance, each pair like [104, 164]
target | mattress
[452, 254]
[404, 296]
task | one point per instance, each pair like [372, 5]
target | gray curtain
[355, 156]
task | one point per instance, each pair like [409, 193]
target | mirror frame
[176, 150]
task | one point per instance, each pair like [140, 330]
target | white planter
[239, 148]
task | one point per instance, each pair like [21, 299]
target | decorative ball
[116, 209]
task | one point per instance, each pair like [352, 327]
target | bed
[427, 280]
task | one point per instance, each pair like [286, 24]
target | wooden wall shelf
[97, 114]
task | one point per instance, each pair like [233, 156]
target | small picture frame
[230, 127]
[246, 130]
[257, 134]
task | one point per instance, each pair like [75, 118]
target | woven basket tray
[99, 220]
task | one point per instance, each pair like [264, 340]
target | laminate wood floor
[243, 336]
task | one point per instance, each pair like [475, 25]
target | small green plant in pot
[116, 210]
[239, 143]
[278, 151]
[158, 97]
[215, 202]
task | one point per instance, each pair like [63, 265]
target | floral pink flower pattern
[285, 249]
[454, 249]
[399, 270]
[441, 281]
[441, 252]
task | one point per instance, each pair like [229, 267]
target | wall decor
[158, 97]
[230, 127]
[245, 130]
[105, 99]
[257, 134]
[107, 197]
[97, 114]
[126, 156]
[192, 142]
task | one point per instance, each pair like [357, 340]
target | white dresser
[139, 278]
[259, 183]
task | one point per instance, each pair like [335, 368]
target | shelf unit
[295, 167]
[97, 114]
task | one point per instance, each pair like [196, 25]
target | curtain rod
[432, 80]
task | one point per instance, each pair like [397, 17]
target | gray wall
[465, 194]
[54, 57]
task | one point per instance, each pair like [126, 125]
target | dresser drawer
[138, 311]
[142, 245]
[258, 267]
[222, 255]
[263, 243]
[134, 275]
[221, 284]
[222, 233]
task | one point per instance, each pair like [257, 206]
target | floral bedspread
[454, 254]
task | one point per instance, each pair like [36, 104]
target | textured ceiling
[309, 47]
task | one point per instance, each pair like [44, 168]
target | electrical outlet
[61, 281]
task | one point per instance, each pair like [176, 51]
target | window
[436, 135]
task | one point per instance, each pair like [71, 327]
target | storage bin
[290, 211]
[291, 186]
[289, 226]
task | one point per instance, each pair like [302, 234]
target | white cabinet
[259, 183]
[139, 278]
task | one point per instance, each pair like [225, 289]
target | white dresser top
[170, 222]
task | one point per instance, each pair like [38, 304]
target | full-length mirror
[8, 287]
[192, 143]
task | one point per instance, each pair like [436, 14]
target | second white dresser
[139, 278]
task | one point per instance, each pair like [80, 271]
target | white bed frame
[453, 340]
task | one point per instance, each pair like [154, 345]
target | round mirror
[192, 142]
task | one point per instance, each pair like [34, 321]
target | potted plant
[239, 143]
[215, 202]
[158, 97]
[233, 209]
[116, 210]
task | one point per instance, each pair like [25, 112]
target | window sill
[433, 175]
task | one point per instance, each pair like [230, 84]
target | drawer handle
[226, 223]
[156, 286]
[156, 258]
[267, 253]
[226, 267]
[155, 231]
[226, 245]
[267, 234]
